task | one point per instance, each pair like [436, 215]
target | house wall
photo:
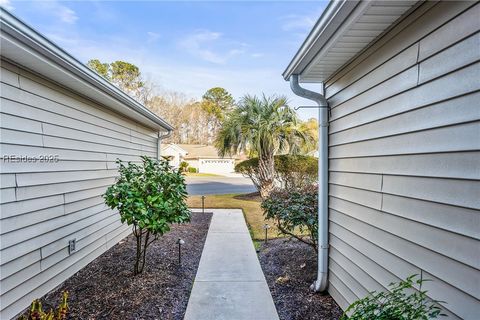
[405, 163]
[45, 204]
[216, 166]
[192, 163]
[174, 154]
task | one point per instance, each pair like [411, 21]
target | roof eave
[334, 14]
[324, 52]
[23, 45]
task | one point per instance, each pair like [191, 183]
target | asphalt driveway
[218, 185]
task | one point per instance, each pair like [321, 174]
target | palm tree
[262, 127]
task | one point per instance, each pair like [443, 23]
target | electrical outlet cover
[72, 246]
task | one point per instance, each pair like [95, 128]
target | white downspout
[159, 142]
[322, 274]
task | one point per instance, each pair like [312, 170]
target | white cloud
[57, 9]
[153, 36]
[6, 4]
[301, 22]
[202, 42]
[170, 75]
[66, 14]
[295, 22]
[188, 77]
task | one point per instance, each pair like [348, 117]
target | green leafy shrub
[296, 171]
[183, 166]
[192, 170]
[249, 168]
[294, 212]
[36, 310]
[291, 171]
[401, 302]
[149, 197]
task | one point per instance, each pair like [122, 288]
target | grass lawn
[194, 174]
[251, 209]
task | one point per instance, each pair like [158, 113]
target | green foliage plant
[101, 68]
[401, 302]
[149, 197]
[291, 171]
[263, 127]
[249, 168]
[127, 75]
[217, 102]
[294, 212]
[296, 171]
[124, 75]
[36, 310]
[183, 166]
[192, 170]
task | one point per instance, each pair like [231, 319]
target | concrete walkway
[229, 284]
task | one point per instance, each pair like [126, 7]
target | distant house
[402, 82]
[206, 159]
[62, 128]
[174, 153]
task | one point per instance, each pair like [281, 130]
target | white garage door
[217, 166]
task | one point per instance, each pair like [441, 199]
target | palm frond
[263, 125]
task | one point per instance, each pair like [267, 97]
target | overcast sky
[184, 46]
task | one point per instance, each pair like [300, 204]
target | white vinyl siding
[46, 204]
[404, 142]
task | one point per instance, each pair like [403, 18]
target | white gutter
[321, 283]
[332, 17]
[28, 48]
[341, 33]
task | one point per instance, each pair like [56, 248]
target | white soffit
[364, 23]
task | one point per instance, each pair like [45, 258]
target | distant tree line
[195, 122]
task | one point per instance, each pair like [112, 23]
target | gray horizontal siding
[425, 20]
[457, 110]
[435, 91]
[45, 204]
[405, 163]
[461, 165]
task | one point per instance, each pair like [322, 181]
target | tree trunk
[138, 236]
[144, 252]
[266, 174]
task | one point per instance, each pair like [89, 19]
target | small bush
[36, 310]
[296, 171]
[401, 302]
[294, 213]
[192, 170]
[249, 168]
[150, 197]
[291, 171]
[183, 166]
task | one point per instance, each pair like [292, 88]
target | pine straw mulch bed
[107, 289]
[290, 268]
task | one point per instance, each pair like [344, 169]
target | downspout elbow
[321, 284]
[307, 94]
[159, 142]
